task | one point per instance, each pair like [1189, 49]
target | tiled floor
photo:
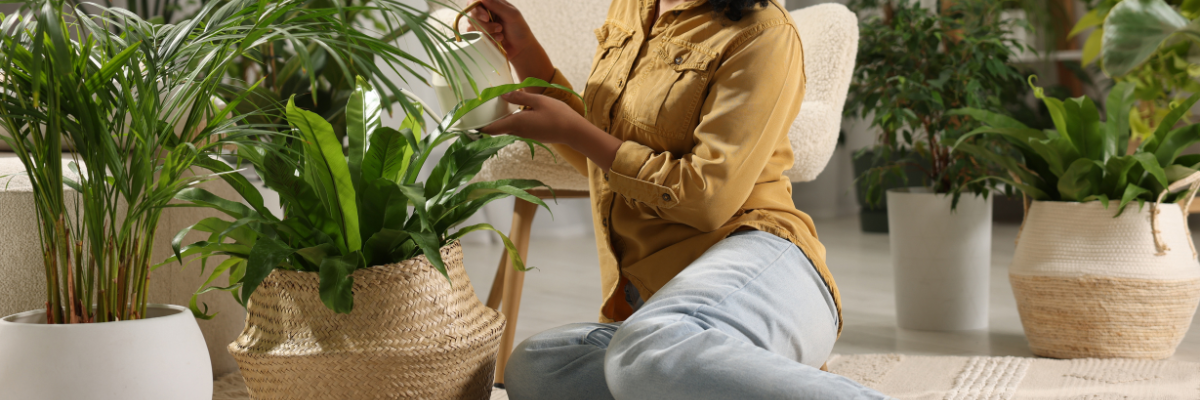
[565, 288]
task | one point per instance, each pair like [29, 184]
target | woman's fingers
[489, 27]
[502, 8]
[522, 98]
[504, 126]
[481, 14]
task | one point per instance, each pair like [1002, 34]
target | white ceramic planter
[941, 259]
[487, 66]
[157, 358]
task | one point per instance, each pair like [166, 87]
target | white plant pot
[487, 66]
[941, 259]
[157, 358]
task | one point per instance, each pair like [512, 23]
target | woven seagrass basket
[412, 335]
[1091, 285]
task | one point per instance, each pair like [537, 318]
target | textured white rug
[1000, 378]
[977, 378]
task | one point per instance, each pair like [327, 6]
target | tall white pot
[156, 358]
[941, 259]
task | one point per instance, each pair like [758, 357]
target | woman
[682, 130]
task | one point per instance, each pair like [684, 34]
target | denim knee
[565, 362]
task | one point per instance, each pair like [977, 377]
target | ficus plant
[352, 209]
[1085, 158]
[914, 65]
[134, 102]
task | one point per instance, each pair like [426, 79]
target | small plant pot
[941, 258]
[1091, 285]
[160, 357]
[413, 334]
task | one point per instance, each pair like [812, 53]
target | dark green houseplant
[355, 209]
[914, 65]
[1085, 158]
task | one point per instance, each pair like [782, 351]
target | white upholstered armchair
[829, 33]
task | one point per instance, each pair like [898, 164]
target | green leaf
[1103, 198]
[239, 183]
[204, 288]
[1175, 142]
[1134, 30]
[267, 254]
[387, 156]
[1082, 179]
[994, 120]
[1168, 123]
[336, 287]
[1177, 172]
[1132, 192]
[1116, 174]
[1093, 18]
[1119, 104]
[316, 255]
[513, 255]
[1090, 137]
[205, 198]
[379, 248]
[1092, 48]
[432, 248]
[494, 92]
[362, 118]
[327, 170]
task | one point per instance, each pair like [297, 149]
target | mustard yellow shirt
[703, 104]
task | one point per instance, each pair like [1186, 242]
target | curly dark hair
[734, 9]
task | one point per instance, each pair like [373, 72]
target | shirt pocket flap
[611, 35]
[685, 56]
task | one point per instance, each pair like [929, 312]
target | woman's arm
[754, 97]
[549, 120]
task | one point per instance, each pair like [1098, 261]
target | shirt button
[606, 177]
[621, 82]
[666, 197]
[678, 60]
[604, 222]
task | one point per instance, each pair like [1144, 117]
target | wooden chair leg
[494, 296]
[514, 280]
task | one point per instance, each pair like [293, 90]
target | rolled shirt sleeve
[745, 115]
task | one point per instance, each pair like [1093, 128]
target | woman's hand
[548, 120]
[506, 24]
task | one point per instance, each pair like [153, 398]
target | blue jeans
[749, 319]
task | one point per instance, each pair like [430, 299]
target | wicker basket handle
[1192, 182]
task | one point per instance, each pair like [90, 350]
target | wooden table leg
[494, 295]
[514, 280]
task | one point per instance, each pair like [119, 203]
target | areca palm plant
[137, 104]
[355, 209]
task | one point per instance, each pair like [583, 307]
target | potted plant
[365, 257]
[914, 67]
[1093, 276]
[1088, 283]
[133, 103]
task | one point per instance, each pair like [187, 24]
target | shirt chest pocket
[613, 39]
[669, 89]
